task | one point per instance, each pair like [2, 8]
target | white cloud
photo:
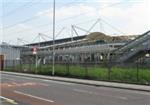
[70, 11]
[131, 19]
[17, 28]
[138, 18]
[135, 18]
[103, 1]
[22, 26]
[19, 31]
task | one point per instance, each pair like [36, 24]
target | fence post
[109, 73]
[86, 70]
[67, 67]
[30, 68]
[109, 70]
[21, 65]
[14, 65]
[137, 71]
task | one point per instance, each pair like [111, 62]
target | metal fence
[138, 73]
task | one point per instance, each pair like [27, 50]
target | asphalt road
[31, 91]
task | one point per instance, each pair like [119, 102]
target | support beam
[92, 26]
[74, 30]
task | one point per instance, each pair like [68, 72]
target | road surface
[33, 91]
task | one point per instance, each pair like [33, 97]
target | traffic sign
[34, 51]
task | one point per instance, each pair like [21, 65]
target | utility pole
[53, 70]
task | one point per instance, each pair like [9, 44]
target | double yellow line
[9, 100]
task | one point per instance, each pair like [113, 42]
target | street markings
[8, 100]
[9, 79]
[58, 82]
[45, 80]
[15, 84]
[29, 95]
[94, 93]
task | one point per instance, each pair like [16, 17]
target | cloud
[18, 31]
[131, 19]
[69, 11]
[134, 18]
[138, 18]
[102, 1]
[18, 27]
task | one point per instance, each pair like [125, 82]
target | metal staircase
[133, 47]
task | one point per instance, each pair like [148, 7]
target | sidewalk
[86, 82]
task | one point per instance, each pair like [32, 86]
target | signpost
[53, 70]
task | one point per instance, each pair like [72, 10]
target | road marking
[65, 83]
[9, 79]
[43, 84]
[9, 100]
[139, 92]
[94, 93]
[122, 91]
[29, 95]
[23, 84]
[58, 82]
[82, 91]
[45, 80]
[8, 75]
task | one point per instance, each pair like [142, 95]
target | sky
[21, 21]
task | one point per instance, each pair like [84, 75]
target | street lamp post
[53, 70]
